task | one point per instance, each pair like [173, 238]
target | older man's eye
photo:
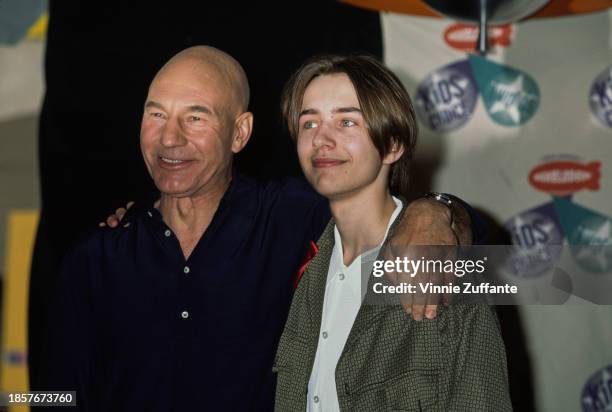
[347, 123]
[195, 118]
[156, 114]
[310, 124]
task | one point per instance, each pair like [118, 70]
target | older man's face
[187, 128]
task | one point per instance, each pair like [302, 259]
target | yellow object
[38, 30]
[19, 244]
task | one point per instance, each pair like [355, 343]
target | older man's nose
[172, 135]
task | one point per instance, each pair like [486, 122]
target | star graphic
[507, 103]
[598, 252]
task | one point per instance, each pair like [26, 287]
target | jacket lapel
[317, 278]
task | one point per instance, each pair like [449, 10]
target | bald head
[195, 119]
[209, 64]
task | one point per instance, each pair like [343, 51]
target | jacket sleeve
[478, 371]
[480, 232]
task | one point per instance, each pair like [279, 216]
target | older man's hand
[113, 220]
[427, 222]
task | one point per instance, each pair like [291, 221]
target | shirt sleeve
[306, 207]
[478, 224]
[67, 358]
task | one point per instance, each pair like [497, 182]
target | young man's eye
[309, 124]
[347, 123]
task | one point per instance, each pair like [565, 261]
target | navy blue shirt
[137, 327]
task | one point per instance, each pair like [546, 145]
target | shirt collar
[235, 182]
[336, 262]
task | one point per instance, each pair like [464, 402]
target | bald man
[181, 308]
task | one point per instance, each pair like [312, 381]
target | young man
[355, 129]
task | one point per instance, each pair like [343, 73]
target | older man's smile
[173, 164]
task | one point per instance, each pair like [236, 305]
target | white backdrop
[541, 99]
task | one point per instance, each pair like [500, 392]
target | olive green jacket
[391, 362]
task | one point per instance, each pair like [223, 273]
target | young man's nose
[324, 136]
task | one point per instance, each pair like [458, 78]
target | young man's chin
[332, 193]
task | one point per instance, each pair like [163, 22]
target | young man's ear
[242, 131]
[397, 150]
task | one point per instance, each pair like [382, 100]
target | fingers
[423, 299]
[431, 311]
[419, 301]
[449, 279]
[119, 213]
[427, 296]
[114, 220]
[406, 302]
[420, 311]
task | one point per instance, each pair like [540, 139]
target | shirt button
[167, 233]
[186, 269]
[150, 214]
[324, 335]
[341, 276]
[316, 399]
[184, 314]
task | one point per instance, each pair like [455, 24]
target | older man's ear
[243, 128]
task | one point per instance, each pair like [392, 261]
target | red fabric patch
[312, 252]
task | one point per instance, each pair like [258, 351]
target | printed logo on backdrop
[565, 177]
[464, 37]
[597, 392]
[589, 234]
[446, 99]
[600, 97]
[534, 231]
[511, 96]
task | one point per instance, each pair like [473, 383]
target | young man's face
[335, 150]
